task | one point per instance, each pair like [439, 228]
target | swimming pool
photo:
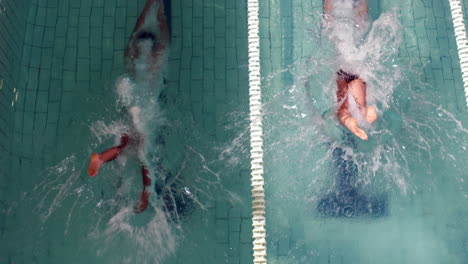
[418, 169]
[59, 66]
[62, 105]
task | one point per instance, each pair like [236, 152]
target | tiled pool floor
[73, 52]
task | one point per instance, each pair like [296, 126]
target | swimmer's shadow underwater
[347, 200]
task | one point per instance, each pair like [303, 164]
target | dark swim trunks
[348, 77]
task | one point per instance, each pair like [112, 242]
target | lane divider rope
[461, 39]
[256, 136]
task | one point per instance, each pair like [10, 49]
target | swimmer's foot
[143, 203]
[94, 164]
[352, 125]
[371, 114]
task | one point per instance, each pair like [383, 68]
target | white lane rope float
[256, 134]
[461, 39]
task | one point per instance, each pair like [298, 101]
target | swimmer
[144, 57]
[350, 83]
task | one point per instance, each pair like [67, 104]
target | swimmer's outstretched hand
[94, 164]
[352, 124]
[111, 154]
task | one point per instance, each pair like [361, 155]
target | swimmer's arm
[362, 9]
[327, 6]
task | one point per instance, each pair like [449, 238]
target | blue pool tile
[220, 26]
[49, 37]
[33, 79]
[120, 21]
[63, 8]
[67, 104]
[62, 27]
[231, 58]
[234, 244]
[429, 19]
[208, 82]
[107, 48]
[108, 27]
[96, 37]
[187, 38]
[186, 58]
[443, 44]
[410, 37]
[41, 15]
[83, 48]
[84, 27]
[208, 17]
[447, 67]
[231, 38]
[197, 68]
[73, 17]
[220, 92]
[55, 91]
[35, 59]
[109, 10]
[197, 110]
[53, 111]
[72, 37]
[209, 105]
[198, 44]
[82, 73]
[187, 18]
[173, 71]
[70, 59]
[220, 49]
[85, 8]
[419, 11]
[42, 100]
[220, 68]
[246, 253]
[40, 120]
[196, 90]
[209, 124]
[18, 122]
[96, 19]
[231, 20]
[197, 27]
[424, 47]
[28, 122]
[51, 19]
[120, 39]
[44, 80]
[32, 14]
[197, 9]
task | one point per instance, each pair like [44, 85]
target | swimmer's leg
[343, 113]
[351, 123]
[98, 159]
[358, 89]
[143, 203]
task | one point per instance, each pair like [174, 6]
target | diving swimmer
[350, 85]
[144, 57]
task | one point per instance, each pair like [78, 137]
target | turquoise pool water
[415, 158]
[59, 63]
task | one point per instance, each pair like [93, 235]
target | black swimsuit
[348, 77]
